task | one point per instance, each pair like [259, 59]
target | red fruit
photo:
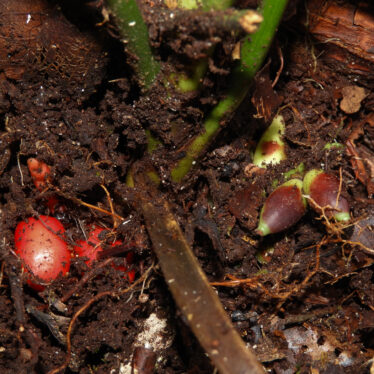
[54, 206]
[39, 245]
[40, 173]
[92, 247]
[131, 275]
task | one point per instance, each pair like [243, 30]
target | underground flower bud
[270, 148]
[325, 194]
[282, 209]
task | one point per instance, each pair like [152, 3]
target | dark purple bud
[324, 193]
[282, 209]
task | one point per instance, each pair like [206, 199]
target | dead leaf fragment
[363, 164]
[236, 51]
[352, 97]
[265, 99]
[244, 205]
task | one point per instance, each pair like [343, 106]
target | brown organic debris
[37, 40]
[244, 205]
[251, 21]
[364, 232]
[352, 98]
[348, 26]
[363, 165]
[112, 293]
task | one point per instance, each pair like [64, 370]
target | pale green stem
[205, 4]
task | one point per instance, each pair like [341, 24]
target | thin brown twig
[234, 282]
[81, 202]
[340, 188]
[351, 243]
[279, 72]
[114, 215]
[254, 282]
[84, 308]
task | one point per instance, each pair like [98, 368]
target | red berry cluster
[41, 244]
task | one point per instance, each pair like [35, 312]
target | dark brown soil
[306, 299]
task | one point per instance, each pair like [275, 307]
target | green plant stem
[135, 34]
[229, 21]
[205, 4]
[189, 81]
[253, 52]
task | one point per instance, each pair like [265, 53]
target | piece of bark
[195, 298]
[348, 26]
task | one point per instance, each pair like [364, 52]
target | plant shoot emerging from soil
[270, 148]
[325, 190]
[283, 208]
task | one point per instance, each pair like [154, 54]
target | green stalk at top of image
[135, 36]
[253, 52]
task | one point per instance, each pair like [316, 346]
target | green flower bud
[270, 148]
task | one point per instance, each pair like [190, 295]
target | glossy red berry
[40, 246]
[91, 248]
[282, 209]
[326, 194]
